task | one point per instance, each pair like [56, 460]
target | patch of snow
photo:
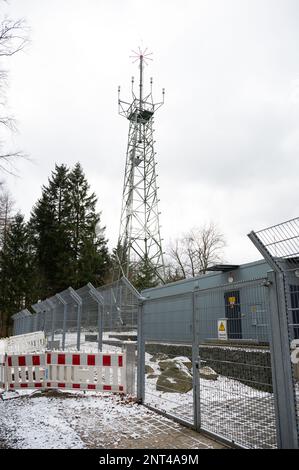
[67, 421]
[182, 358]
[235, 348]
[27, 423]
[220, 390]
[90, 346]
[171, 380]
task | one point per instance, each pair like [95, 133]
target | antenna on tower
[139, 242]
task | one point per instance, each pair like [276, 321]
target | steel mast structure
[139, 240]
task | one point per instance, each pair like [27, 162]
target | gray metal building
[244, 309]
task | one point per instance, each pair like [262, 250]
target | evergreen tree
[144, 276]
[91, 258]
[141, 274]
[70, 247]
[94, 263]
[17, 273]
[118, 262]
[51, 233]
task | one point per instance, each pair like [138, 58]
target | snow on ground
[220, 390]
[264, 349]
[27, 423]
[67, 420]
[88, 346]
[64, 420]
[228, 407]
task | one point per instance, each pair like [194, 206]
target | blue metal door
[233, 314]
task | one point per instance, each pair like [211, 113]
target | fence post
[98, 298]
[130, 350]
[196, 363]
[283, 384]
[284, 394]
[5, 372]
[51, 309]
[61, 299]
[140, 354]
[100, 327]
[78, 301]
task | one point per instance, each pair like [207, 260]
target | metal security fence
[91, 321]
[235, 376]
[243, 307]
[219, 353]
[120, 306]
[224, 359]
[192, 373]
[279, 245]
[23, 322]
[168, 347]
[84, 318]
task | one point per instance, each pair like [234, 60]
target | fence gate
[167, 357]
[235, 396]
[279, 245]
[205, 360]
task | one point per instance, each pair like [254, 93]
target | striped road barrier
[65, 370]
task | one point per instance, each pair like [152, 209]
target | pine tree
[51, 233]
[118, 262]
[91, 258]
[17, 274]
[144, 276]
[70, 247]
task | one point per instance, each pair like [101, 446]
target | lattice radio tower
[139, 236]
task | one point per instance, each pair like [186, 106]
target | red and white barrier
[3, 345]
[25, 371]
[27, 343]
[84, 371]
[64, 370]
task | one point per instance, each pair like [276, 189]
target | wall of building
[168, 310]
[245, 272]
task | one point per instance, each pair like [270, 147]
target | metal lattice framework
[139, 236]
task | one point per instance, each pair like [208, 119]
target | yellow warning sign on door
[222, 329]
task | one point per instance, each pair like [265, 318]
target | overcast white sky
[227, 138]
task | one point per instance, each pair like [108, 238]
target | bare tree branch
[176, 254]
[198, 249]
[9, 122]
[13, 38]
[6, 162]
